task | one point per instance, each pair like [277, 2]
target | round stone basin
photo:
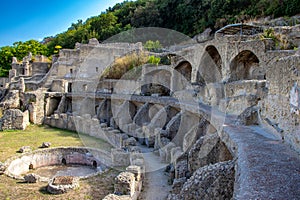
[65, 161]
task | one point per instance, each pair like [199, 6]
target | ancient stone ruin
[223, 117]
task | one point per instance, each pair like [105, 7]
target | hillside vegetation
[186, 16]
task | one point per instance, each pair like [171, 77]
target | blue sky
[35, 19]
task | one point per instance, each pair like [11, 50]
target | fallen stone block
[129, 142]
[46, 145]
[32, 178]
[25, 149]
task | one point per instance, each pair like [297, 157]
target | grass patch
[34, 136]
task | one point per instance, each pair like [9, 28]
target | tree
[105, 26]
[20, 50]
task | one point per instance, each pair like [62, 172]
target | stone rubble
[32, 178]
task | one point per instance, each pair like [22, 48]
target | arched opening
[210, 69]
[95, 164]
[97, 110]
[159, 82]
[245, 66]
[185, 69]
[63, 161]
[31, 166]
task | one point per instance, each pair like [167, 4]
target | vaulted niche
[245, 66]
[185, 69]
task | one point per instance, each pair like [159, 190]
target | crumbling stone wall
[210, 182]
[280, 110]
[14, 119]
[207, 150]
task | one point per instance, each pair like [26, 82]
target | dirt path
[156, 185]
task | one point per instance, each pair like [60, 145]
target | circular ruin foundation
[62, 184]
[77, 162]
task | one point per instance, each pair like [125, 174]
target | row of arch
[244, 66]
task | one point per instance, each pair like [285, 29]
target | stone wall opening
[69, 89]
[30, 166]
[157, 82]
[245, 66]
[95, 164]
[185, 68]
[210, 67]
[53, 105]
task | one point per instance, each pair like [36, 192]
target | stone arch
[210, 69]
[158, 82]
[185, 69]
[245, 66]
[64, 161]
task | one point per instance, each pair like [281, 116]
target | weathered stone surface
[62, 184]
[210, 182]
[134, 149]
[249, 117]
[14, 119]
[129, 142]
[120, 157]
[207, 150]
[11, 100]
[2, 168]
[181, 168]
[137, 171]
[205, 36]
[93, 41]
[32, 178]
[125, 184]
[177, 185]
[117, 197]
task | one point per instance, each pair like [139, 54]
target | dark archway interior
[245, 66]
[159, 82]
[214, 54]
[185, 68]
[95, 164]
[31, 166]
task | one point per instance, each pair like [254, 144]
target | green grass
[34, 136]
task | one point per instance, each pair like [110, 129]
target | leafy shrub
[153, 46]
[281, 40]
[154, 60]
[165, 60]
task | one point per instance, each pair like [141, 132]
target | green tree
[19, 50]
[105, 25]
